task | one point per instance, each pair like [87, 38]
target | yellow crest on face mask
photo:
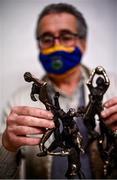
[57, 48]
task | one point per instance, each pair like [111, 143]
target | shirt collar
[53, 88]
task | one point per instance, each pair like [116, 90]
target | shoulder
[21, 97]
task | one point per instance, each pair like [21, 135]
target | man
[61, 35]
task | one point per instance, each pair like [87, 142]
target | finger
[24, 130]
[112, 126]
[109, 111]
[32, 111]
[11, 120]
[111, 120]
[21, 141]
[12, 142]
[111, 102]
[34, 122]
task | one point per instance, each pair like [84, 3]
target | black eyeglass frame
[73, 35]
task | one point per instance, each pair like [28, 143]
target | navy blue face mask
[60, 60]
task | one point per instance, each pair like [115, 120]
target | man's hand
[110, 113]
[23, 121]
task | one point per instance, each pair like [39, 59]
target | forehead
[55, 23]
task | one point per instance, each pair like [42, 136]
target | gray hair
[67, 8]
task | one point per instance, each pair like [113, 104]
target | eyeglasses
[47, 40]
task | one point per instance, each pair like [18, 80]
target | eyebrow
[61, 31]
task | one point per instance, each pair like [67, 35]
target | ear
[38, 46]
[82, 45]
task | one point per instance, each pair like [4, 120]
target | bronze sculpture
[70, 140]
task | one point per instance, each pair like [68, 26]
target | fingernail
[50, 116]
[103, 113]
[52, 124]
[106, 105]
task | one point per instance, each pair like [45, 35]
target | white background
[18, 51]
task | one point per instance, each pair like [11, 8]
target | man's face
[57, 24]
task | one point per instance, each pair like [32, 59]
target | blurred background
[18, 50]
